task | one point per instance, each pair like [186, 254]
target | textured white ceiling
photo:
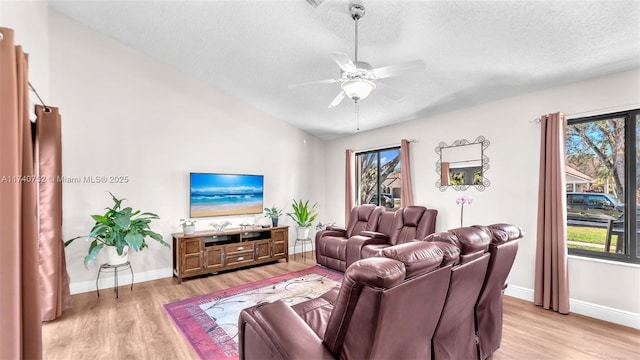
[475, 51]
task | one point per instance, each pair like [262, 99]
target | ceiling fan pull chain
[357, 116]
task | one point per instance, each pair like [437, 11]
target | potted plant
[188, 226]
[304, 216]
[274, 213]
[117, 230]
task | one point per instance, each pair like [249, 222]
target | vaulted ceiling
[474, 51]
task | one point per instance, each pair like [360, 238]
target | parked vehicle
[595, 207]
[386, 200]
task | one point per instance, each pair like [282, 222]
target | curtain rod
[46, 108]
[384, 146]
[595, 112]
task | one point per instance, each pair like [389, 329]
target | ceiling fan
[358, 78]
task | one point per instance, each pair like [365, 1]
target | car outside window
[603, 187]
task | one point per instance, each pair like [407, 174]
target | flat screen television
[225, 194]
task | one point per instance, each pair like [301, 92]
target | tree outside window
[378, 178]
[601, 159]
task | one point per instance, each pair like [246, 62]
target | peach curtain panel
[444, 174]
[551, 289]
[20, 326]
[406, 196]
[54, 280]
[349, 187]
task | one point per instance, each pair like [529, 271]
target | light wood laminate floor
[136, 326]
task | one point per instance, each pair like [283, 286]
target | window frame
[630, 226]
[378, 185]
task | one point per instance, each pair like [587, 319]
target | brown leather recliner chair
[489, 308]
[455, 336]
[406, 224]
[385, 309]
[331, 244]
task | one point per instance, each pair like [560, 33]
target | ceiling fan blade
[315, 3]
[344, 61]
[327, 81]
[338, 99]
[399, 69]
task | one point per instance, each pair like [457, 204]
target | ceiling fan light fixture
[358, 89]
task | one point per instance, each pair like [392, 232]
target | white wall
[29, 20]
[514, 161]
[124, 114]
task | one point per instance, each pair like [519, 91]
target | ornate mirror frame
[484, 144]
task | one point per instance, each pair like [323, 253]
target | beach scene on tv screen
[225, 194]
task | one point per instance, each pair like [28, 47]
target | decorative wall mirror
[463, 164]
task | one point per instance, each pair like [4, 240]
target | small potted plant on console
[188, 226]
[273, 213]
[304, 216]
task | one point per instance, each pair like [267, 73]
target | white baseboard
[124, 278]
[519, 292]
[596, 311]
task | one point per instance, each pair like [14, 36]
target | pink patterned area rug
[210, 322]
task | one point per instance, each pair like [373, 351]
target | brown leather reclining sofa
[438, 298]
[386, 308]
[371, 229]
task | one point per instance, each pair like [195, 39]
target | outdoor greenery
[456, 178]
[369, 175]
[589, 238]
[119, 227]
[596, 148]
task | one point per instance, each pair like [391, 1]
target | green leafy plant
[302, 214]
[187, 222]
[119, 227]
[272, 212]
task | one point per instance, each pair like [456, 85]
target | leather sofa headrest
[450, 251]
[502, 233]
[411, 215]
[364, 212]
[376, 272]
[386, 222]
[469, 239]
[418, 257]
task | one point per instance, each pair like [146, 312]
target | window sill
[604, 261]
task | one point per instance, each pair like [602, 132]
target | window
[378, 178]
[602, 155]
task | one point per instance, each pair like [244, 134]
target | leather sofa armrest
[356, 243]
[334, 232]
[274, 330]
[337, 228]
[375, 235]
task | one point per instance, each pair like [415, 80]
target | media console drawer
[239, 258]
[238, 248]
[205, 252]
